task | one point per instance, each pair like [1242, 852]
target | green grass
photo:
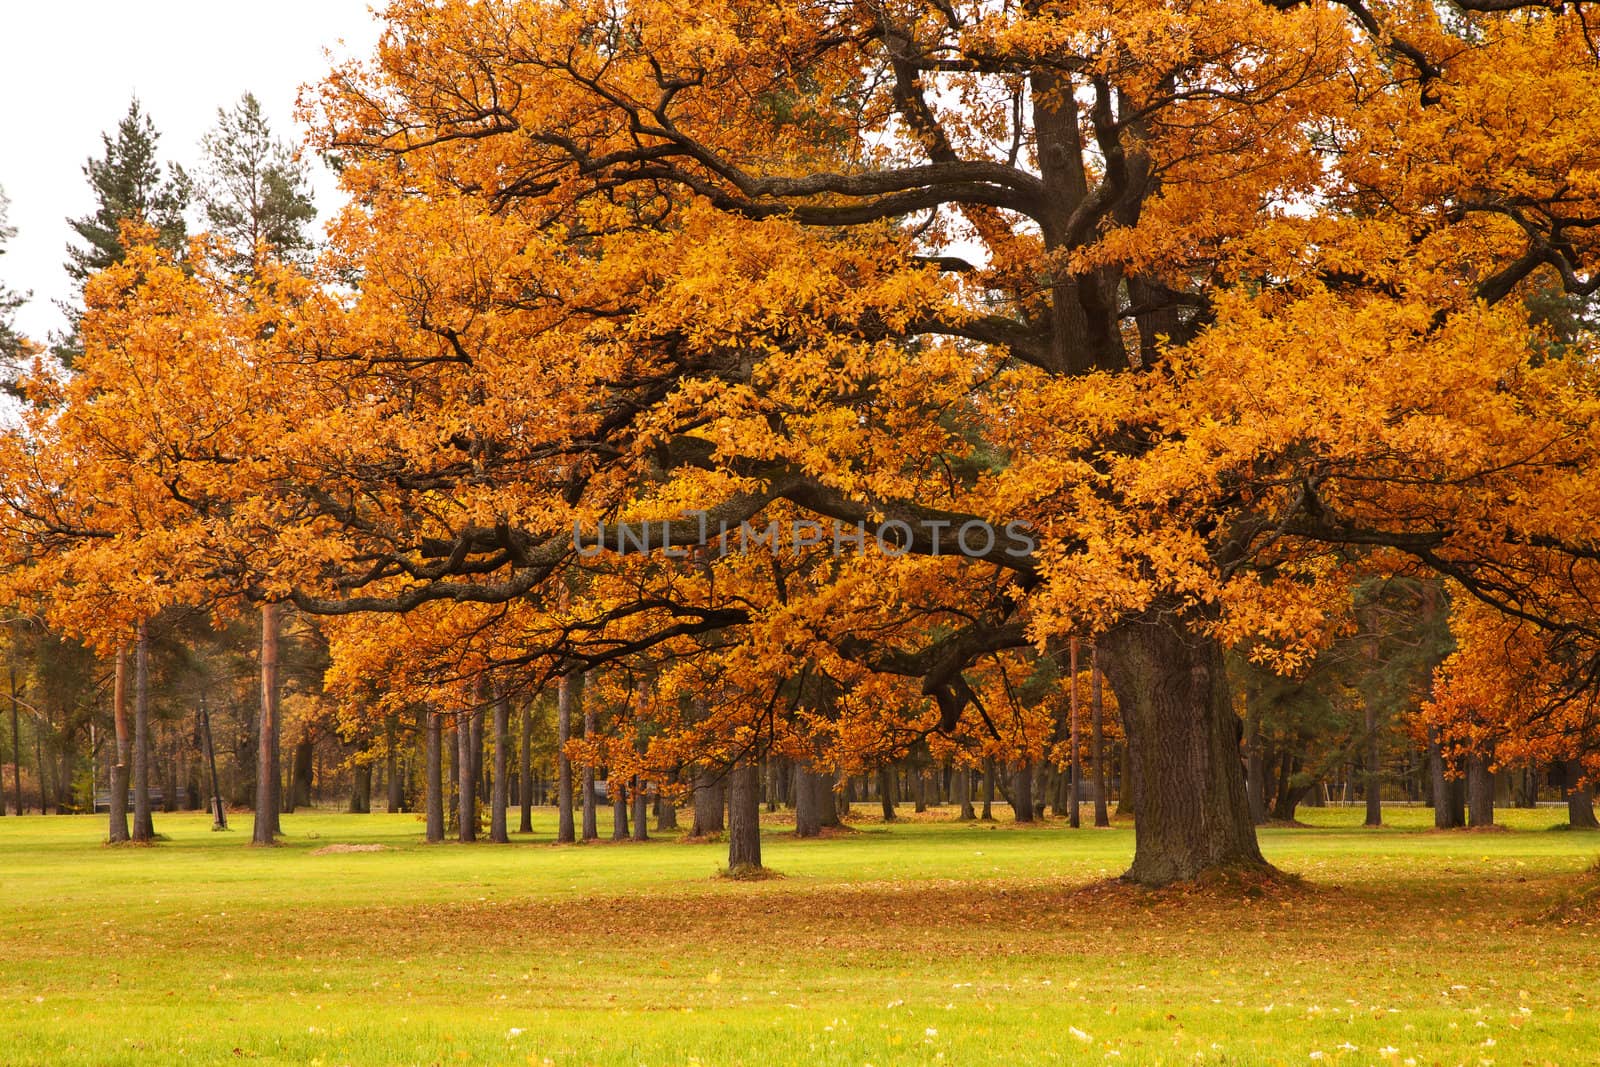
[926, 942]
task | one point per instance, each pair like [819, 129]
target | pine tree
[254, 194]
[128, 184]
[10, 300]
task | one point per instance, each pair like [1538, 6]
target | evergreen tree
[10, 300]
[128, 184]
[254, 194]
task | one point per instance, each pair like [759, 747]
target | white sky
[71, 66]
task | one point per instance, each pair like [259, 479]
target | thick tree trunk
[361, 789]
[709, 804]
[1480, 792]
[433, 757]
[666, 812]
[831, 803]
[499, 787]
[1022, 793]
[1580, 801]
[807, 819]
[886, 792]
[1097, 738]
[744, 818]
[1191, 813]
[1444, 810]
[120, 768]
[567, 690]
[300, 774]
[962, 787]
[143, 825]
[525, 774]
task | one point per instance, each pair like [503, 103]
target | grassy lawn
[926, 942]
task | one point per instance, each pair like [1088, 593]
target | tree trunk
[143, 825]
[619, 808]
[434, 758]
[886, 792]
[1444, 812]
[1124, 779]
[962, 787]
[1073, 817]
[666, 812]
[641, 809]
[1374, 781]
[1022, 793]
[744, 818]
[1191, 813]
[807, 818]
[466, 781]
[266, 822]
[1097, 739]
[361, 788]
[1480, 792]
[525, 774]
[499, 786]
[988, 789]
[831, 805]
[591, 818]
[396, 799]
[301, 773]
[120, 768]
[567, 689]
[1580, 801]
[1255, 762]
[708, 804]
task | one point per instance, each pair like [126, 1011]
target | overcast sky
[71, 67]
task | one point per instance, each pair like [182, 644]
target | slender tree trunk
[433, 757]
[567, 690]
[1256, 761]
[988, 789]
[591, 821]
[641, 809]
[1580, 800]
[1374, 781]
[886, 792]
[266, 823]
[396, 798]
[744, 818]
[499, 787]
[807, 819]
[525, 774]
[1097, 737]
[120, 768]
[1073, 817]
[1191, 814]
[466, 781]
[219, 813]
[1480, 791]
[619, 808]
[143, 825]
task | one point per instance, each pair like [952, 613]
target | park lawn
[929, 941]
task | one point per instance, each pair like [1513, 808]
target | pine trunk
[1191, 814]
[499, 787]
[120, 768]
[1097, 738]
[466, 781]
[143, 825]
[525, 774]
[566, 691]
[434, 758]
